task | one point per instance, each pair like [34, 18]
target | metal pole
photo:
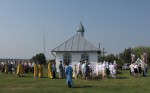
[44, 35]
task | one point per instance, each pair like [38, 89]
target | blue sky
[116, 24]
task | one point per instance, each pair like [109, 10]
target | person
[32, 67]
[35, 70]
[131, 69]
[92, 70]
[104, 70]
[6, 67]
[139, 61]
[135, 69]
[112, 71]
[75, 71]
[14, 67]
[54, 70]
[50, 70]
[145, 57]
[79, 69]
[145, 60]
[97, 69]
[100, 70]
[143, 67]
[61, 70]
[87, 70]
[19, 69]
[107, 69]
[132, 57]
[3, 67]
[68, 72]
[83, 70]
[40, 70]
[26, 67]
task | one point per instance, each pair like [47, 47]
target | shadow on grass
[122, 77]
[119, 72]
[24, 76]
[83, 86]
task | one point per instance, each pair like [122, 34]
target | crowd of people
[11, 66]
[138, 67]
[83, 70]
[21, 67]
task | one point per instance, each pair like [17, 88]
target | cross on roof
[103, 52]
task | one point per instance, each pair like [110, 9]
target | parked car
[126, 66]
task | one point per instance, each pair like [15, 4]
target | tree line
[125, 56]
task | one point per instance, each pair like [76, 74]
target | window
[67, 58]
[85, 57]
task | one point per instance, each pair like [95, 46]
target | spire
[81, 29]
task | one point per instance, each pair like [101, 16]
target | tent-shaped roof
[76, 43]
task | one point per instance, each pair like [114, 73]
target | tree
[127, 55]
[40, 58]
[110, 57]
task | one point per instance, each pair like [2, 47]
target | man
[132, 57]
[61, 70]
[40, 70]
[68, 71]
[75, 71]
[50, 70]
[107, 69]
[54, 70]
[35, 70]
[19, 69]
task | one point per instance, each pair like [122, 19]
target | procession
[82, 70]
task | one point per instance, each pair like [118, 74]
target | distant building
[76, 49]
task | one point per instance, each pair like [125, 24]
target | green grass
[10, 83]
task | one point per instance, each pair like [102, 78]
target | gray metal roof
[76, 43]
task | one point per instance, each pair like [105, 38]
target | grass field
[10, 83]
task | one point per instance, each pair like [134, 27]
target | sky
[115, 24]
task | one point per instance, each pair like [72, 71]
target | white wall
[76, 57]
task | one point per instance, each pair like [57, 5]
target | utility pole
[44, 36]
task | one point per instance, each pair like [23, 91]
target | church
[75, 49]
